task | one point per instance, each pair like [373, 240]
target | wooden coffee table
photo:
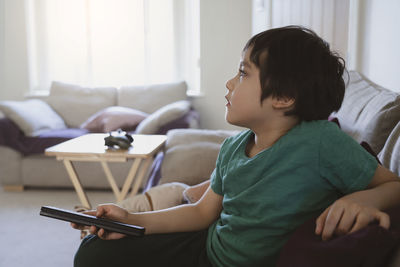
[90, 147]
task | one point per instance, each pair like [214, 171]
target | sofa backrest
[152, 97]
[75, 103]
[369, 112]
[390, 154]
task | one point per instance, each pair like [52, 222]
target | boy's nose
[228, 85]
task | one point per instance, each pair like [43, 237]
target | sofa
[28, 127]
[371, 115]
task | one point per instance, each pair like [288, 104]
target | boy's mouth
[229, 102]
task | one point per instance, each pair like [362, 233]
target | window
[112, 43]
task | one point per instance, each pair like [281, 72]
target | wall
[14, 81]
[225, 27]
[2, 43]
[378, 42]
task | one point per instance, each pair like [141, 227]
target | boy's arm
[355, 211]
[183, 218]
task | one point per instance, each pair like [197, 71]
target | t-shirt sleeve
[343, 162]
[216, 182]
[216, 176]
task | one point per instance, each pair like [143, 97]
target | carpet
[28, 239]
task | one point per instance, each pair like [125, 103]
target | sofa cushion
[372, 246]
[163, 116]
[75, 103]
[190, 155]
[151, 98]
[113, 118]
[369, 112]
[33, 116]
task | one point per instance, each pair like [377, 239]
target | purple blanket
[11, 136]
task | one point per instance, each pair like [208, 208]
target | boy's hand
[109, 211]
[345, 216]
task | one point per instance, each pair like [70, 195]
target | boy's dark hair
[295, 62]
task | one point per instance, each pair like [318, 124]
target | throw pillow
[162, 116]
[32, 116]
[113, 118]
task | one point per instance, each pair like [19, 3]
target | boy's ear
[282, 102]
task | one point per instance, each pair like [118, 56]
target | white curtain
[328, 18]
[105, 43]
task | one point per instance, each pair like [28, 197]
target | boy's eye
[242, 73]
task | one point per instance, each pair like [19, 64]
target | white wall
[14, 81]
[225, 27]
[2, 43]
[378, 42]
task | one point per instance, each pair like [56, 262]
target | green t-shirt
[268, 196]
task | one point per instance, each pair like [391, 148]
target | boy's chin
[233, 122]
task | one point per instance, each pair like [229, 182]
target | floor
[28, 239]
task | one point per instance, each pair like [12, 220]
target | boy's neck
[267, 135]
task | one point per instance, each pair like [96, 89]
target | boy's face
[244, 93]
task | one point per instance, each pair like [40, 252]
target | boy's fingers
[332, 220]
[101, 233]
[93, 230]
[90, 212]
[384, 219]
[101, 210]
[75, 226]
[321, 221]
[345, 224]
[363, 221]
[78, 226]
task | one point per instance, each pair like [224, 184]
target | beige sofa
[68, 107]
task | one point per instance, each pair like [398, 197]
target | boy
[289, 166]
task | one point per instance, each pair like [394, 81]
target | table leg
[139, 178]
[77, 184]
[111, 180]
[129, 178]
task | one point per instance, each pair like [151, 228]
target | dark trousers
[175, 249]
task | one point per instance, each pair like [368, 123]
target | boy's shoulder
[317, 128]
[239, 137]
[235, 140]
